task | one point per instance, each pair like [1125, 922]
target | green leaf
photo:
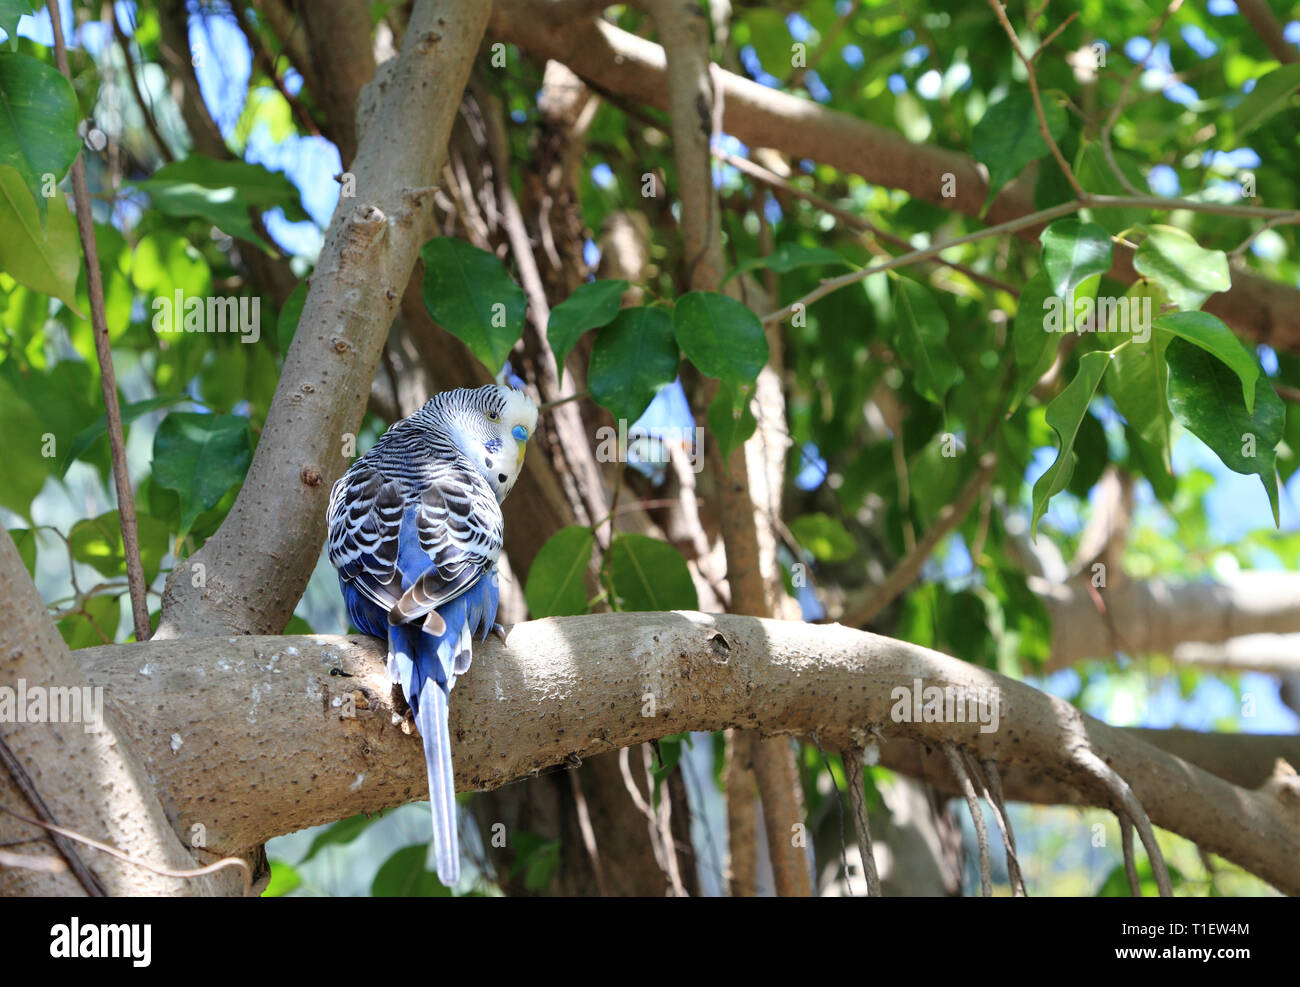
[722, 337]
[824, 536]
[590, 306]
[1205, 397]
[10, 12]
[101, 616]
[470, 294]
[1007, 137]
[1065, 415]
[1211, 335]
[200, 457]
[22, 447]
[1138, 384]
[1072, 252]
[555, 579]
[648, 574]
[1094, 174]
[286, 323]
[1272, 91]
[98, 542]
[284, 879]
[343, 831]
[1186, 270]
[922, 340]
[632, 358]
[25, 542]
[46, 259]
[537, 858]
[405, 875]
[1035, 347]
[789, 257]
[730, 419]
[222, 192]
[84, 439]
[38, 122]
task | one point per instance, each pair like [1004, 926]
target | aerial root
[993, 795]
[977, 817]
[1129, 809]
[858, 798]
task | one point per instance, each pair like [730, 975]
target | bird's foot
[500, 632]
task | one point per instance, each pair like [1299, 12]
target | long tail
[417, 675]
[432, 721]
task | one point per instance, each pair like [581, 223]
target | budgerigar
[415, 531]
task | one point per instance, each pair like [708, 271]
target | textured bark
[338, 36]
[93, 783]
[1163, 617]
[256, 566]
[263, 744]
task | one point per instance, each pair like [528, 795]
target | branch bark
[250, 575]
[266, 745]
[1156, 615]
[92, 782]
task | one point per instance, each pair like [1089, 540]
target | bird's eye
[493, 416]
[520, 433]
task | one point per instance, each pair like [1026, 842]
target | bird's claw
[500, 632]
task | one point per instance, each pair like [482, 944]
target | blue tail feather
[426, 667]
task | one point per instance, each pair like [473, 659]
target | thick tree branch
[267, 746]
[250, 575]
[1160, 616]
[94, 783]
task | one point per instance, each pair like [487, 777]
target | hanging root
[1130, 866]
[977, 817]
[993, 795]
[853, 774]
[1128, 806]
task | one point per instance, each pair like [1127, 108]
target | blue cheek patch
[520, 433]
[492, 445]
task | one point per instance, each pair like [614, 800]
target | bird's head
[495, 424]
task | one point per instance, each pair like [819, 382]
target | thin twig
[107, 377]
[856, 223]
[113, 851]
[1106, 149]
[1032, 75]
[1089, 200]
[151, 124]
[86, 877]
[908, 567]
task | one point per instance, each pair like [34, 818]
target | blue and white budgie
[415, 530]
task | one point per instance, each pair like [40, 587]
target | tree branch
[626, 65]
[250, 575]
[291, 756]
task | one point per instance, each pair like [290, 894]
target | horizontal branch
[1158, 616]
[252, 737]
